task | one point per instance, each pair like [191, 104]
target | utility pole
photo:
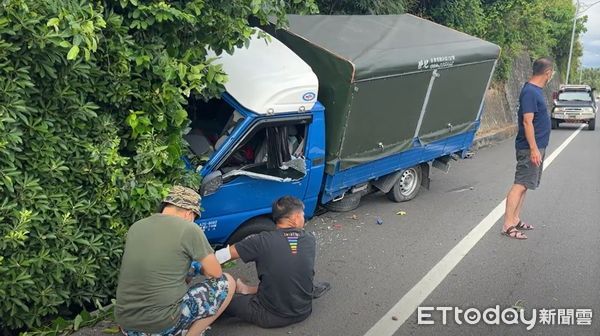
[572, 40]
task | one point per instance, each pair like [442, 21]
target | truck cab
[574, 104]
[263, 139]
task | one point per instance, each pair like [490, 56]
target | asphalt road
[371, 267]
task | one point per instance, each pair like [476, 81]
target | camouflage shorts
[202, 300]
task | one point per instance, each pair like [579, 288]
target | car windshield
[575, 95]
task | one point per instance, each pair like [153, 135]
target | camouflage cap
[184, 198]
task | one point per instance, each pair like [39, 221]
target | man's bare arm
[211, 267]
[536, 156]
[234, 252]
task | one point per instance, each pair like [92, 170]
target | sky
[591, 39]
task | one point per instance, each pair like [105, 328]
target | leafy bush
[92, 109]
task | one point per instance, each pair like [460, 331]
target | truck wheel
[252, 226]
[592, 124]
[407, 186]
[348, 203]
[554, 123]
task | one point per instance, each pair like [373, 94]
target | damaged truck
[331, 109]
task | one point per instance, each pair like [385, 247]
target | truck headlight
[559, 110]
[587, 110]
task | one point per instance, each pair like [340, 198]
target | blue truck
[333, 108]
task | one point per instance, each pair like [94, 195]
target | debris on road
[395, 318]
[519, 305]
[111, 330]
[401, 213]
[337, 226]
[461, 189]
[379, 220]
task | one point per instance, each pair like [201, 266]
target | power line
[587, 6]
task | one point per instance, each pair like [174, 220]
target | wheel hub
[408, 181]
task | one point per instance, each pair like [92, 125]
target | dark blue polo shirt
[532, 100]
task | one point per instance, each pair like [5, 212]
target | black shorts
[248, 308]
[527, 174]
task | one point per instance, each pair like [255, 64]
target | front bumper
[575, 117]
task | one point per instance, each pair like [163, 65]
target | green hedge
[92, 109]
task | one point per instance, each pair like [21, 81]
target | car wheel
[408, 185]
[348, 203]
[592, 124]
[554, 123]
[252, 226]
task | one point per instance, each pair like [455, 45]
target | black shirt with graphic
[285, 263]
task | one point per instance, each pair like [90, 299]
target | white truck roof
[267, 77]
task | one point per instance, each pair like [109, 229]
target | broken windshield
[212, 122]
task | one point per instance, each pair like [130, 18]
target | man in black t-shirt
[285, 260]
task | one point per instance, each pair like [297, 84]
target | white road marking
[409, 303]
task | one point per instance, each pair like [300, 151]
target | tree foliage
[92, 109]
[589, 76]
[356, 7]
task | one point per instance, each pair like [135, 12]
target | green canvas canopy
[390, 81]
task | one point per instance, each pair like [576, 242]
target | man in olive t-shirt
[152, 294]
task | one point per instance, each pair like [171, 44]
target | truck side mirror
[211, 183]
[554, 95]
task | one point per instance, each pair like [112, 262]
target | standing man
[152, 295]
[531, 142]
[285, 262]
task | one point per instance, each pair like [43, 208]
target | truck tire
[252, 226]
[554, 123]
[348, 203]
[592, 124]
[408, 185]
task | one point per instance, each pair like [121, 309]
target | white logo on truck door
[208, 225]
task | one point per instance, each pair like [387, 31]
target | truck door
[267, 162]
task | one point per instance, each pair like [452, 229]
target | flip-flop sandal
[320, 288]
[512, 232]
[523, 226]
